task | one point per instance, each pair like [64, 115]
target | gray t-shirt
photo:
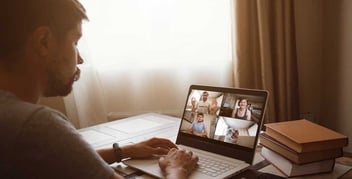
[38, 142]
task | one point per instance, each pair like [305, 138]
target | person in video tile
[242, 112]
[198, 126]
[203, 105]
[231, 135]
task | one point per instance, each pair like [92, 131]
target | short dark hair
[200, 114]
[18, 18]
[241, 99]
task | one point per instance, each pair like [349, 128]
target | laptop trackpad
[149, 166]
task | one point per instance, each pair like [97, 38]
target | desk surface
[141, 127]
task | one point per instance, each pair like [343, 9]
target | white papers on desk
[92, 136]
[141, 124]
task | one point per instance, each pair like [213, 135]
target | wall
[324, 42]
[337, 55]
[308, 21]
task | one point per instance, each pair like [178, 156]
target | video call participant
[242, 112]
[198, 126]
[203, 105]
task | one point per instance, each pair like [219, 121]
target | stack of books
[301, 147]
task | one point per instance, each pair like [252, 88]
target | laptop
[220, 139]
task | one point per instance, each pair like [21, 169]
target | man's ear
[41, 40]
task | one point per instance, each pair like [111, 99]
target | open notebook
[221, 137]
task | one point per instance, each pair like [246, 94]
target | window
[142, 55]
[156, 32]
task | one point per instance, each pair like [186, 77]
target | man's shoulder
[15, 109]
[17, 114]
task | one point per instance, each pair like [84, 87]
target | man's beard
[58, 87]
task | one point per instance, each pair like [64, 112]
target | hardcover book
[305, 136]
[295, 157]
[289, 169]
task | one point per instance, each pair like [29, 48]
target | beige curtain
[85, 105]
[265, 54]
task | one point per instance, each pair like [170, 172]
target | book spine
[290, 169]
[268, 144]
[284, 140]
[323, 145]
[298, 158]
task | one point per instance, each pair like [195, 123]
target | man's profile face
[62, 67]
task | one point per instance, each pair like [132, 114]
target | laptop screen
[225, 121]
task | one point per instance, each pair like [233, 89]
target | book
[295, 157]
[305, 136]
[289, 169]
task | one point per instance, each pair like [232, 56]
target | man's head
[43, 35]
[205, 96]
[200, 117]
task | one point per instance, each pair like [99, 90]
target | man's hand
[148, 148]
[178, 163]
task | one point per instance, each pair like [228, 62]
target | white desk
[138, 128]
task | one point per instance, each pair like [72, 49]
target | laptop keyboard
[213, 167]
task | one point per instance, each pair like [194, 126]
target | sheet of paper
[92, 136]
[139, 125]
[158, 119]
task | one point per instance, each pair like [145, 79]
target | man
[198, 126]
[38, 57]
[203, 106]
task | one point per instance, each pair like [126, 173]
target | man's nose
[79, 59]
